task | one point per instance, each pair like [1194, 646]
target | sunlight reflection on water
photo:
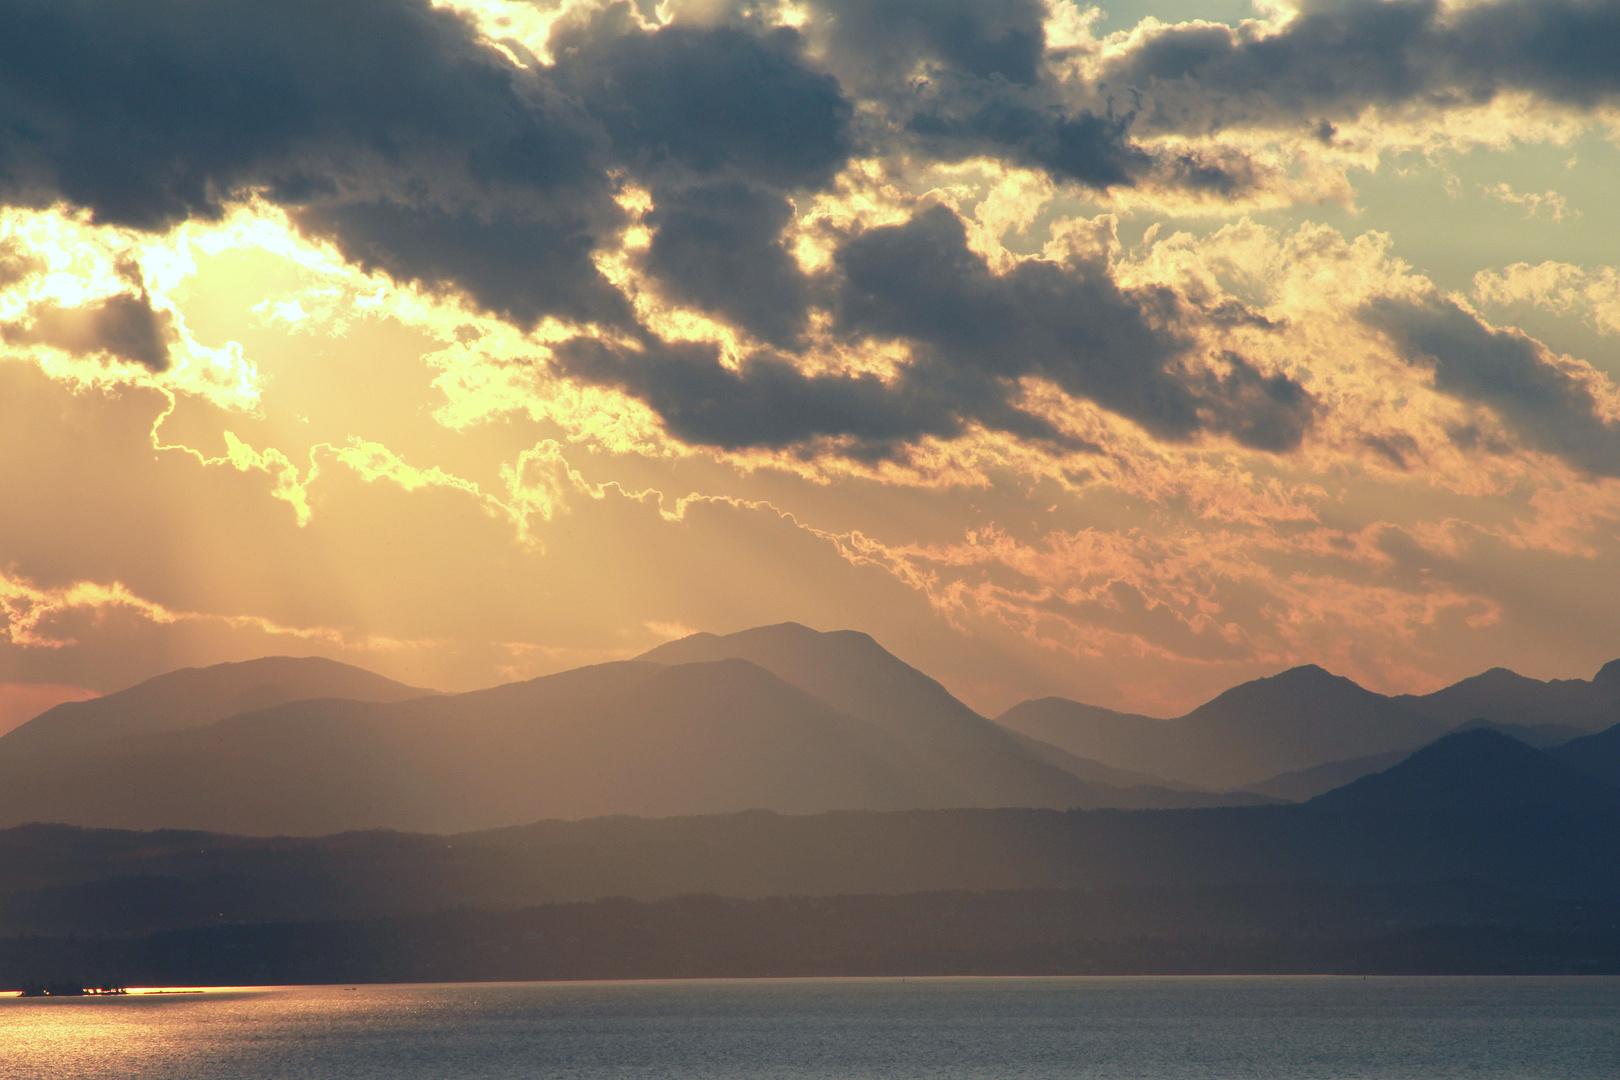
[1163, 1028]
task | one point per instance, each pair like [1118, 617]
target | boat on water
[68, 988]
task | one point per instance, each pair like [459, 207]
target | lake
[1208, 1028]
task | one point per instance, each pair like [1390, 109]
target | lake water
[1160, 1028]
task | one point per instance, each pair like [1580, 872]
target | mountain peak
[1500, 673]
[1307, 674]
[1472, 771]
[1308, 686]
[1608, 674]
[855, 674]
[703, 644]
[195, 697]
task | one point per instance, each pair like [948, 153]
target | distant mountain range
[1476, 815]
[780, 718]
[1475, 853]
[1258, 735]
[196, 697]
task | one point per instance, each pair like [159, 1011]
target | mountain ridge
[778, 717]
[195, 697]
[1526, 824]
[1295, 720]
[1185, 749]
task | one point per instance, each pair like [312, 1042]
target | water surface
[1275, 1028]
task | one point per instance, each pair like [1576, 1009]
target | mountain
[1296, 720]
[196, 697]
[690, 729]
[1096, 771]
[631, 739]
[983, 764]
[1597, 755]
[1305, 784]
[1540, 736]
[1478, 852]
[1472, 813]
[1474, 773]
[780, 717]
[1126, 790]
[1308, 783]
[1506, 697]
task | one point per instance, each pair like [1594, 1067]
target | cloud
[17, 263]
[422, 150]
[149, 115]
[1555, 407]
[1555, 205]
[1338, 57]
[125, 326]
[1561, 288]
[1072, 324]
[391, 128]
[719, 248]
[514, 265]
[960, 79]
[892, 39]
[1081, 147]
[384, 124]
[974, 336]
[767, 402]
[716, 102]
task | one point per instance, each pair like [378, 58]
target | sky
[1121, 353]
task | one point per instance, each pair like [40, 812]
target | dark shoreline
[711, 937]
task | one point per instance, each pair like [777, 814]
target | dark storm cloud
[770, 402]
[720, 122]
[987, 39]
[386, 126]
[975, 334]
[124, 326]
[1334, 60]
[1074, 146]
[712, 103]
[959, 79]
[1341, 56]
[517, 266]
[150, 113]
[1506, 371]
[1070, 324]
[718, 247]
[383, 121]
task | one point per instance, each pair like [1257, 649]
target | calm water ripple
[852, 1029]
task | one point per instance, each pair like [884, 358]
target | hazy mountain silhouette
[1510, 698]
[1305, 784]
[984, 764]
[1474, 773]
[781, 718]
[1298, 719]
[1472, 813]
[196, 697]
[1598, 755]
[1540, 736]
[1097, 772]
[625, 739]
[1471, 835]
[635, 737]
[1308, 783]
